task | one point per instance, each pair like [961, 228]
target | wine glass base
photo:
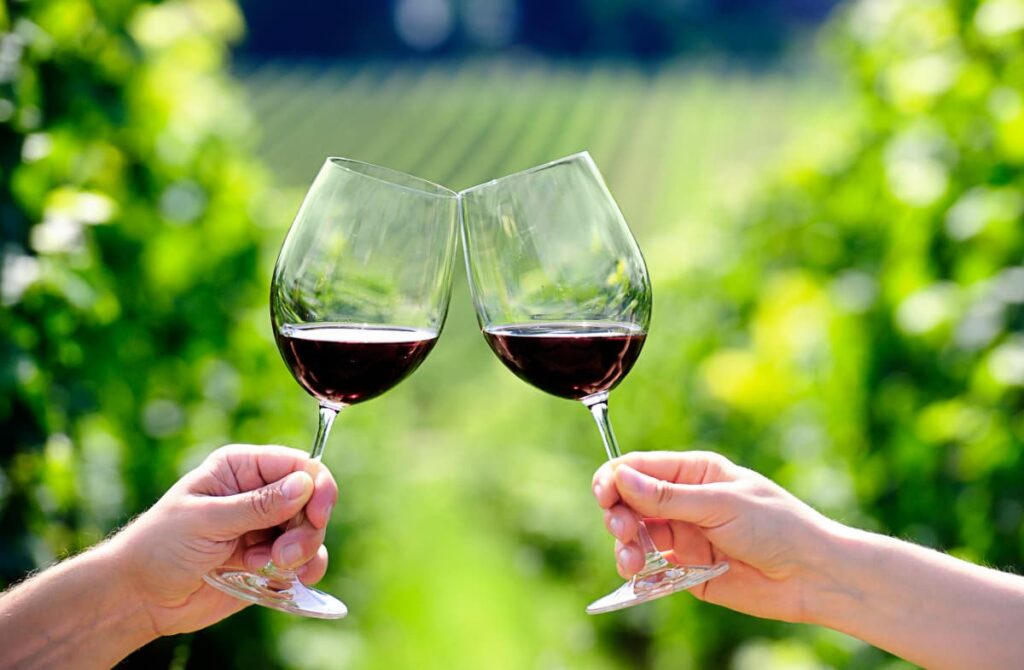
[294, 596]
[644, 587]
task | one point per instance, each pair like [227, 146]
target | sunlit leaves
[919, 239]
[127, 251]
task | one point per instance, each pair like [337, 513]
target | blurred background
[829, 196]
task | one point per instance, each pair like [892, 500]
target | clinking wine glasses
[361, 289]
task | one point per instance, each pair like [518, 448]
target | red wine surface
[348, 364]
[571, 360]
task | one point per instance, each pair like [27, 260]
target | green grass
[467, 536]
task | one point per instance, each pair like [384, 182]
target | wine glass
[563, 298]
[359, 296]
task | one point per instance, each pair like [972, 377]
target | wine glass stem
[327, 414]
[598, 406]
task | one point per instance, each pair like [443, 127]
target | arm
[927, 607]
[789, 562]
[77, 613]
[146, 581]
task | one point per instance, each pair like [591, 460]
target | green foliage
[129, 258]
[854, 332]
[883, 281]
[868, 347]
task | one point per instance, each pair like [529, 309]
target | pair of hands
[699, 507]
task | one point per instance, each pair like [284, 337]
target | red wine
[349, 364]
[571, 360]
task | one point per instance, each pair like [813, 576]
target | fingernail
[624, 555]
[598, 489]
[327, 514]
[616, 525]
[296, 485]
[291, 554]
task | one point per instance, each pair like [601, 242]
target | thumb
[261, 508]
[700, 504]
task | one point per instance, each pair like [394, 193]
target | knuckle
[663, 493]
[225, 452]
[290, 452]
[714, 458]
[263, 501]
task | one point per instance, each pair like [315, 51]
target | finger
[248, 466]
[661, 533]
[679, 467]
[603, 486]
[325, 495]
[629, 558]
[703, 504]
[621, 523]
[257, 537]
[227, 517]
[689, 546]
[296, 546]
[628, 553]
[257, 556]
[314, 571]
[621, 570]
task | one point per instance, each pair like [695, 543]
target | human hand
[700, 509]
[229, 511]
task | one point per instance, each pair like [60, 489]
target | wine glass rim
[530, 170]
[364, 169]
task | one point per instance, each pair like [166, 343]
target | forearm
[76, 614]
[924, 606]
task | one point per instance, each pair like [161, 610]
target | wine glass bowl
[543, 245]
[563, 298]
[358, 299]
[369, 245]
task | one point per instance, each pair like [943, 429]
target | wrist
[837, 587]
[132, 611]
[126, 610]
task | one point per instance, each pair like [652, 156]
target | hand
[701, 508]
[227, 512]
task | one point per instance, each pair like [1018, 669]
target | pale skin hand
[701, 509]
[789, 562]
[146, 581]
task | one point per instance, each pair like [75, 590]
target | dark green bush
[129, 259]
[884, 281]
